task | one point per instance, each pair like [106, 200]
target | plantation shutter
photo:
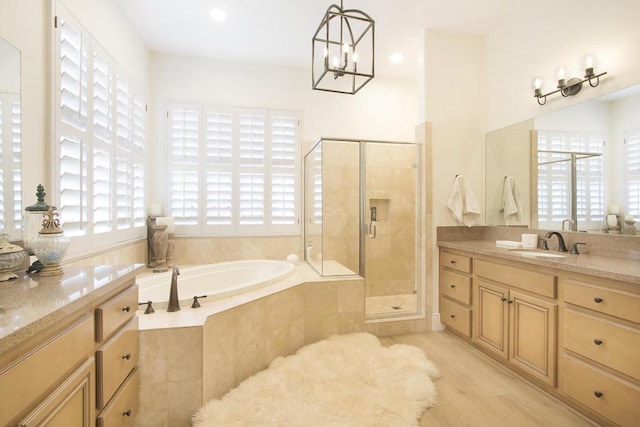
[99, 142]
[184, 152]
[72, 127]
[124, 166]
[3, 135]
[137, 155]
[632, 158]
[218, 141]
[233, 170]
[102, 145]
[251, 171]
[284, 171]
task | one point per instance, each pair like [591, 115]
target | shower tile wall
[390, 266]
[341, 205]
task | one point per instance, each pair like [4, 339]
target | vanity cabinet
[601, 360]
[515, 325]
[576, 336]
[117, 359]
[455, 289]
[81, 370]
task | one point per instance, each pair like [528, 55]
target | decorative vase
[51, 245]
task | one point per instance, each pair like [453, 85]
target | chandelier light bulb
[336, 62]
[325, 52]
[354, 57]
[218, 15]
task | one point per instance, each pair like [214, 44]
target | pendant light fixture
[343, 51]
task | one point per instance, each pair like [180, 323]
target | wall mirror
[576, 169]
[10, 141]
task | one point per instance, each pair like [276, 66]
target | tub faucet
[174, 304]
[561, 245]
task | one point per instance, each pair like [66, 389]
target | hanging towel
[511, 206]
[462, 203]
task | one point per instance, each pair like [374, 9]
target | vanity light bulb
[560, 73]
[536, 83]
[589, 64]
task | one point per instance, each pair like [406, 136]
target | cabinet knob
[127, 356]
[452, 286]
[127, 413]
[503, 299]
[510, 301]
[598, 394]
[453, 316]
[127, 309]
[597, 341]
[453, 261]
[598, 300]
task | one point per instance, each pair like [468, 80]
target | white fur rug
[346, 380]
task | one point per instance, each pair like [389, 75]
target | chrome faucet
[561, 245]
[174, 304]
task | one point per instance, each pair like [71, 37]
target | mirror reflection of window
[555, 152]
[632, 163]
[10, 141]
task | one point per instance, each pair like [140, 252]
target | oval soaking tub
[216, 281]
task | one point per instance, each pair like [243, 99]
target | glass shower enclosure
[362, 210]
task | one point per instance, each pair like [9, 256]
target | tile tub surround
[192, 356]
[623, 267]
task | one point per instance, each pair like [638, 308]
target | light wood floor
[474, 390]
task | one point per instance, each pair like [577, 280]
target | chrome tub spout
[174, 304]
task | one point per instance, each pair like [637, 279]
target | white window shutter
[632, 158]
[284, 171]
[137, 154]
[184, 176]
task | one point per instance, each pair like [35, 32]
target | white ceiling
[279, 32]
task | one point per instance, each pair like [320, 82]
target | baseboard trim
[436, 325]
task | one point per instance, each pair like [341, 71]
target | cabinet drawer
[115, 360]
[540, 283]
[24, 382]
[618, 399]
[456, 316]
[123, 408]
[456, 286]
[115, 313]
[71, 404]
[455, 262]
[609, 343]
[609, 301]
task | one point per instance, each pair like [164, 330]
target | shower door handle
[372, 230]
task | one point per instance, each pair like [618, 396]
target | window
[233, 171]
[632, 160]
[554, 178]
[99, 142]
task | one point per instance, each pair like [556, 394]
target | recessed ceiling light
[396, 57]
[218, 15]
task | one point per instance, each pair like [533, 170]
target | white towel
[462, 203]
[511, 206]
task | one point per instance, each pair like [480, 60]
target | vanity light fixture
[568, 87]
[343, 46]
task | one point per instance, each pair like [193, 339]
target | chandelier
[343, 51]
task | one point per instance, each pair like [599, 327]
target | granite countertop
[31, 304]
[621, 269]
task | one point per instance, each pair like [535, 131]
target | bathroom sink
[538, 254]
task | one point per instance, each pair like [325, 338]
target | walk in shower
[362, 206]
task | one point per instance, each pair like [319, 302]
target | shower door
[390, 234]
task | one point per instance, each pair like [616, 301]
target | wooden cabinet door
[70, 405]
[492, 317]
[532, 332]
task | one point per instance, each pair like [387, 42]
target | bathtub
[216, 281]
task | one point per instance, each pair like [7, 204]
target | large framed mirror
[577, 168]
[10, 141]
